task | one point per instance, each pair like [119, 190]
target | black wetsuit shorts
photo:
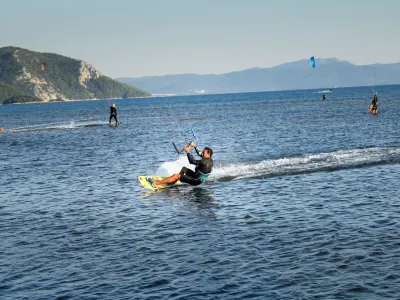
[190, 178]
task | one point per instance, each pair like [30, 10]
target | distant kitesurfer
[323, 96]
[374, 104]
[113, 114]
[203, 169]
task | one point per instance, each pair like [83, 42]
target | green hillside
[49, 76]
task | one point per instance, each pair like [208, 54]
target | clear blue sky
[155, 37]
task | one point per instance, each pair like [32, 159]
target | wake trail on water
[55, 125]
[309, 163]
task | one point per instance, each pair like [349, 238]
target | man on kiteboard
[113, 114]
[202, 171]
[374, 104]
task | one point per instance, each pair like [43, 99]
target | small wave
[325, 91]
[339, 160]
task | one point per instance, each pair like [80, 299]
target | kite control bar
[176, 148]
[187, 145]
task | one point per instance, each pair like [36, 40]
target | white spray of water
[169, 168]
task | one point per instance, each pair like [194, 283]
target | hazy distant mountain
[328, 73]
[27, 76]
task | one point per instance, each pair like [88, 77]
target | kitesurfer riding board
[113, 114]
[374, 105]
[198, 176]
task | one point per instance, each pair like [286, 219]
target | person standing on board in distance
[324, 97]
[374, 104]
[203, 169]
[113, 114]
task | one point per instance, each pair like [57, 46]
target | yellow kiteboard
[146, 184]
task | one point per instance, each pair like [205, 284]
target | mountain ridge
[328, 73]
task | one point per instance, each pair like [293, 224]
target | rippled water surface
[303, 202]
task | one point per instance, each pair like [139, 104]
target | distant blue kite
[312, 61]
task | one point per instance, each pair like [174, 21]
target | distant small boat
[200, 92]
[325, 91]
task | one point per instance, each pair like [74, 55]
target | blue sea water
[303, 201]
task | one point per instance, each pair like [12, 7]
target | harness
[203, 177]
